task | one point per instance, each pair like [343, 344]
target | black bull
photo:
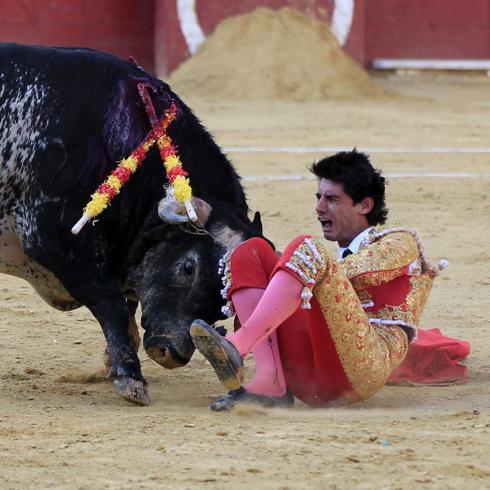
[67, 116]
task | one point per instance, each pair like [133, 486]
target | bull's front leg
[92, 283]
[112, 313]
[133, 333]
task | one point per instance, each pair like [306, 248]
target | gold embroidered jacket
[391, 276]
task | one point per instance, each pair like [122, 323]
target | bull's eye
[188, 267]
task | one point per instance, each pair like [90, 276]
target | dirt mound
[271, 54]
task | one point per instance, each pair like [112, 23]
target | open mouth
[326, 224]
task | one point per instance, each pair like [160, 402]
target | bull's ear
[202, 208]
[145, 240]
[162, 233]
[257, 222]
[225, 235]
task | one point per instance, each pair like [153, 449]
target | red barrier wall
[150, 30]
[122, 27]
[169, 42]
[170, 45]
[210, 13]
[445, 29]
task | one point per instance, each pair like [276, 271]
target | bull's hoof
[132, 390]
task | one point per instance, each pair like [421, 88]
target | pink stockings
[260, 312]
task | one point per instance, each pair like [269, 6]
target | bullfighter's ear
[257, 222]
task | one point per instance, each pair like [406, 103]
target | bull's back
[52, 107]
[57, 92]
[52, 96]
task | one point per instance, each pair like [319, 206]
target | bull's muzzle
[165, 354]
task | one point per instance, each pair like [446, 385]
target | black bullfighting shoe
[242, 397]
[221, 353]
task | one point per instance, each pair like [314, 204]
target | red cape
[432, 359]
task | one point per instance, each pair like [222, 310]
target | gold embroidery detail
[368, 353]
[364, 296]
[411, 310]
[382, 260]
[375, 278]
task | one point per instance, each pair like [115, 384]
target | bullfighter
[327, 331]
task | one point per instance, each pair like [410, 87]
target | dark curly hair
[359, 178]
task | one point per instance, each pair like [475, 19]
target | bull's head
[176, 280]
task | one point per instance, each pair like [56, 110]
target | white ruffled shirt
[356, 243]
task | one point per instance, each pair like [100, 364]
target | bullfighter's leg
[90, 282]
[281, 298]
[268, 383]
[269, 376]
[335, 354]
[251, 267]
[268, 386]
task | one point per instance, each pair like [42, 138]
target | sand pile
[279, 54]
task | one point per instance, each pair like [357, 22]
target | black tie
[346, 252]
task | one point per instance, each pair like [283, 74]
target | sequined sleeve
[382, 260]
[307, 259]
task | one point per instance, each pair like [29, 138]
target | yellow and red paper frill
[177, 176]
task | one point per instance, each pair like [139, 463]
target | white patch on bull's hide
[24, 117]
[15, 262]
[227, 237]
[22, 122]
[25, 113]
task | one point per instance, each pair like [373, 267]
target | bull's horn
[171, 211]
[168, 211]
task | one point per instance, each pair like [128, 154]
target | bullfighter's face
[341, 219]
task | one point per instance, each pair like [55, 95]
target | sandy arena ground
[59, 430]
